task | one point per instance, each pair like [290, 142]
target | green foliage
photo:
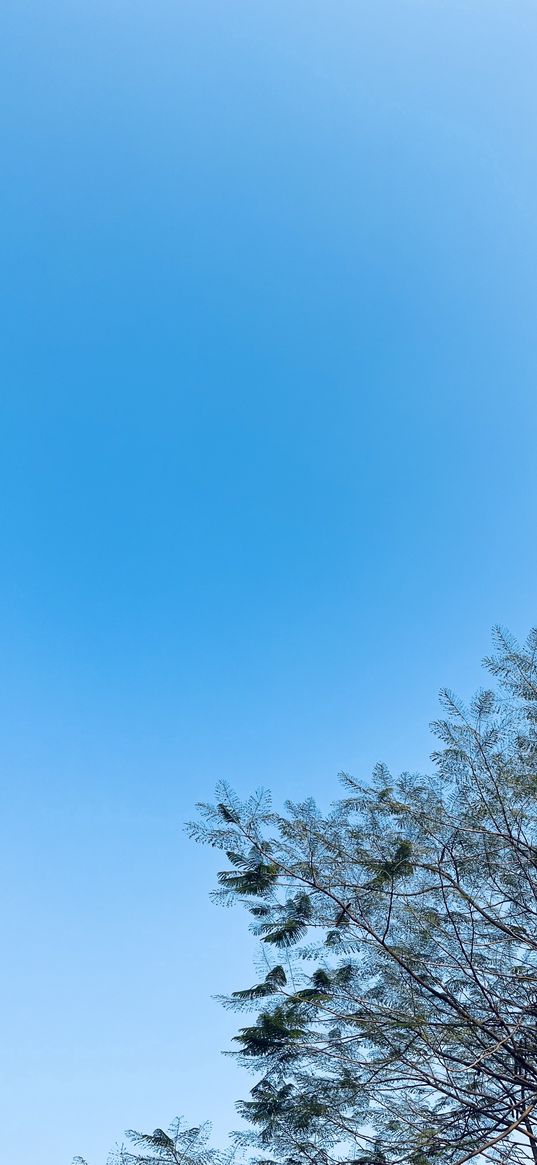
[403, 1027]
[275, 1034]
[256, 878]
[400, 1025]
[180, 1145]
[273, 980]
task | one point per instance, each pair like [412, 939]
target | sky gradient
[268, 476]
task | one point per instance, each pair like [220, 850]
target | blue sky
[268, 424]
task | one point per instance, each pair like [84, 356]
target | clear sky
[268, 477]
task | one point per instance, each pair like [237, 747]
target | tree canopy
[394, 1016]
[179, 1145]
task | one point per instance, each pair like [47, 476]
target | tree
[180, 1145]
[396, 1010]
